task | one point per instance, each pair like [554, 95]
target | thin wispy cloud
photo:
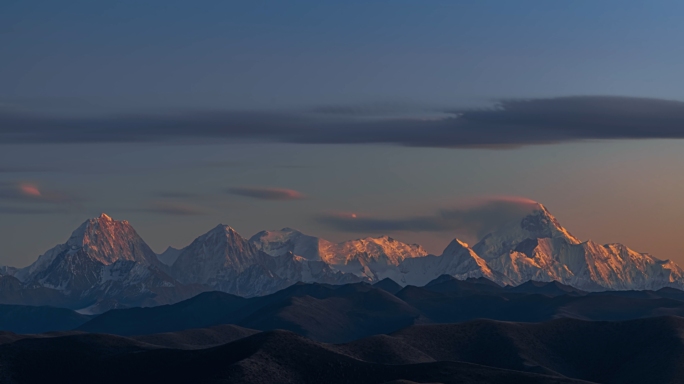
[32, 193]
[509, 123]
[267, 193]
[475, 218]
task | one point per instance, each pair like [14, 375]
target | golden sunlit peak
[105, 216]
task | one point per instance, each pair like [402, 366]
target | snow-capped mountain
[539, 224]
[279, 243]
[539, 248]
[105, 264]
[370, 259]
[457, 260]
[224, 260]
[535, 247]
[97, 242]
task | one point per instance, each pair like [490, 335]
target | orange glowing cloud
[30, 190]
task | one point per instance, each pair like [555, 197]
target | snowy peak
[542, 224]
[457, 261]
[278, 243]
[370, 249]
[223, 230]
[459, 254]
[102, 259]
[223, 240]
[383, 248]
[539, 224]
[107, 241]
[219, 252]
[454, 247]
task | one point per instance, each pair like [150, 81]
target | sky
[419, 118]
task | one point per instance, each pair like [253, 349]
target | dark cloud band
[267, 193]
[474, 220]
[510, 123]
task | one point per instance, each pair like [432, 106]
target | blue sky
[84, 59]
[235, 54]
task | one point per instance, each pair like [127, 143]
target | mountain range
[105, 264]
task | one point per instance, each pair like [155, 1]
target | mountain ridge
[105, 264]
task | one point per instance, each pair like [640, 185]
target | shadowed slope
[29, 319]
[325, 313]
[348, 312]
[388, 285]
[482, 351]
[637, 351]
[270, 357]
[197, 338]
[203, 310]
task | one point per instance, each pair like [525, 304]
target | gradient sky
[94, 60]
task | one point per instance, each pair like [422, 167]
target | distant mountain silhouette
[348, 312]
[388, 285]
[326, 313]
[552, 288]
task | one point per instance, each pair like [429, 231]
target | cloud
[31, 193]
[509, 123]
[172, 208]
[475, 218]
[267, 193]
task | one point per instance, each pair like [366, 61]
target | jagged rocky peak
[108, 240]
[221, 247]
[542, 224]
[455, 246]
[225, 238]
[375, 249]
[222, 229]
[388, 243]
[538, 224]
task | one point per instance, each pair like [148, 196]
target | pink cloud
[29, 190]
